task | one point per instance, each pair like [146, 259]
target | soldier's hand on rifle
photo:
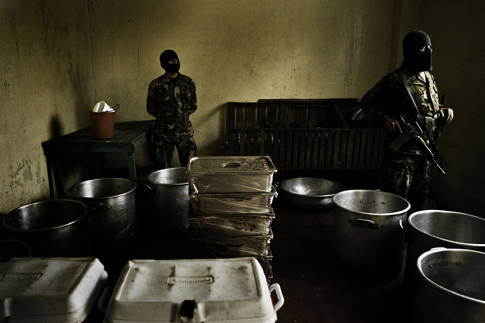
[391, 125]
[447, 113]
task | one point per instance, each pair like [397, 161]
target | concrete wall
[61, 57]
[457, 32]
[46, 86]
[238, 51]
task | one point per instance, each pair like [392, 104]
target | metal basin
[310, 193]
[52, 228]
[451, 286]
[112, 207]
[436, 228]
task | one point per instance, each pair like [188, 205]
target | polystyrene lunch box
[54, 290]
[195, 290]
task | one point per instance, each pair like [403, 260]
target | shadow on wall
[55, 127]
[210, 129]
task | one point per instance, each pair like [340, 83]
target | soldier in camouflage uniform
[405, 171]
[171, 99]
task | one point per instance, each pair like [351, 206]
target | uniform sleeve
[152, 106]
[193, 96]
[375, 103]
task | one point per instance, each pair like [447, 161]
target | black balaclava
[414, 60]
[165, 57]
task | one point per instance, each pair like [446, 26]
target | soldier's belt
[174, 119]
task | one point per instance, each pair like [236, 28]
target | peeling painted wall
[60, 57]
[46, 79]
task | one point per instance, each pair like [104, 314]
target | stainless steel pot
[169, 197]
[369, 236]
[52, 228]
[112, 205]
[310, 193]
[451, 287]
[435, 228]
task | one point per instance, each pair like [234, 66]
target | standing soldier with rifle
[406, 103]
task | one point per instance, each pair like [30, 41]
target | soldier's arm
[373, 105]
[152, 106]
[193, 103]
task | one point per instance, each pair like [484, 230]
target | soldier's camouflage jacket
[389, 98]
[171, 105]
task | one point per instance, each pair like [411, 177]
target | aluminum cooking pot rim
[103, 197]
[446, 290]
[305, 195]
[168, 184]
[369, 213]
[416, 214]
[83, 215]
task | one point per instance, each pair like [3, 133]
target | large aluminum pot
[112, 204]
[451, 287]
[169, 196]
[310, 193]
[436, 228]
[369, 236]
[52, 228]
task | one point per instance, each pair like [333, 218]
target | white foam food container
[54, 290]
[195, 290]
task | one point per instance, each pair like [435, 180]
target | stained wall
[59, 58]
[46, 85]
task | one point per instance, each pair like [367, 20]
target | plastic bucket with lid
[102, 124]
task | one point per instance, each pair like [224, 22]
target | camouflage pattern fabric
[389, 98]
[163, 155]
[172, 104]
[407, 176]
[404, 172]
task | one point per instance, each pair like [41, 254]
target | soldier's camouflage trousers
[162, 154]
[407, 176]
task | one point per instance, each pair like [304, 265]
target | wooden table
[128, 138]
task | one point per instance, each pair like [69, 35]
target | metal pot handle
[364, 223]
[151, 189]
[281, 300]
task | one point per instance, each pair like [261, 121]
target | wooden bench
[302, 134]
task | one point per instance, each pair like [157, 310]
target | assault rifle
[412, 132]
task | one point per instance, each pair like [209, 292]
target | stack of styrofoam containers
[231, 207]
